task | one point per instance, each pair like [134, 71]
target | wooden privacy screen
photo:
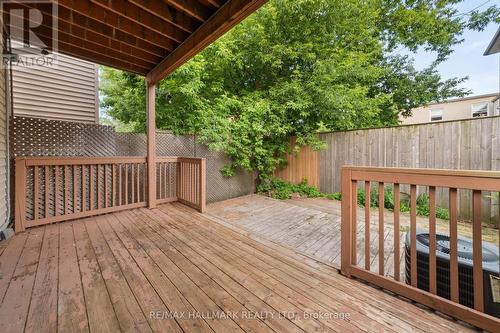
[475, 181]
[54, 189]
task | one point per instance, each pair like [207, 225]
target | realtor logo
[29, 33]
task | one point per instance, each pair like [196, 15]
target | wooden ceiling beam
[66, 26]
[169, 13]
[233, 12]
[196, 10]
[129, 11]
[91, 10]
[45, 33]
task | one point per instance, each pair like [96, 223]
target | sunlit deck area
[172, 269]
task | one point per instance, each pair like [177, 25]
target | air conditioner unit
[491, 279]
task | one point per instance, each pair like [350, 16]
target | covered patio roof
[147, 37]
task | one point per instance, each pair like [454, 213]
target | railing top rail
[78, 160]
[425, 171]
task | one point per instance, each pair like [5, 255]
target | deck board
[131, 270]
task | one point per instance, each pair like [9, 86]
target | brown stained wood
[75, 194]
[66, 190]
[413, 234]
[46, 191]
[126, 307]
[106, 196]
[36, 193]
[99, 185]
[126, 183]
[72, 314]
[397, 245]
[113, 186]
[132, 182]
[138, 185]
[20, 195]
[17, 298]
[354, 224]
[151, 144]
[100, 312]
[84, 188]
[120, 185]
[432, 240]
[42, 316]
[477, 252]
[57, 181]
[381, 230]
[233, 12]
[367, 225]
[347, 201]
[194, 9]
[92, 200]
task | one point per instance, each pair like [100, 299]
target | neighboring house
[455, 109]
[67, 91]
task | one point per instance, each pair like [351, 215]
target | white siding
[67, 91]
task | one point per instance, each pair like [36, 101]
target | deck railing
[452, 180]
[55, 189]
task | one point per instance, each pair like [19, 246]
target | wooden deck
[172, 269]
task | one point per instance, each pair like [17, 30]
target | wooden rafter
[196, 10]
[168, 13]
[129, 11]
[91, 10]
[233, 12]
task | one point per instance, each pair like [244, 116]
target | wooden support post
[151, 138]
[20, 207]
[346, 211]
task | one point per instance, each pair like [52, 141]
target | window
[436, 115]
[479, 110]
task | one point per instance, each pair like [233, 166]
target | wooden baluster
[99, 183]
[105, 186]
[397, 245]
[367, 224]
[91, 170]
[453, 245]
[354, 226]
[413, 234]
[132, 182]
[56, 190]
[66, 190]
[144, 182]
[477, 251]
[381, 231]
[120, 184]
[113, 186]
[126, 184]
[75, 178]
[47, 191]
[432, 239]
[138, 187]
[36, 193]
[20, 195]
[84, 189]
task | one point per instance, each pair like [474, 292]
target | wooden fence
[449, 271]
[472, 144]
[55, 189]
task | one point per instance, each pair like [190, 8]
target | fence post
[20, 195]
[346, 216]
[203, 184]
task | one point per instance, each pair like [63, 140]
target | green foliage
[404, 204]
[281, 189]
[296, 67]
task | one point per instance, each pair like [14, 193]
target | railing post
[151, 138]
[203, 184]
[346, 212]
[20, 197]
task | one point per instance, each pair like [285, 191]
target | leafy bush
[281, 189]
[404, 205]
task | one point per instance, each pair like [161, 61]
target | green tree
[299, 66]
